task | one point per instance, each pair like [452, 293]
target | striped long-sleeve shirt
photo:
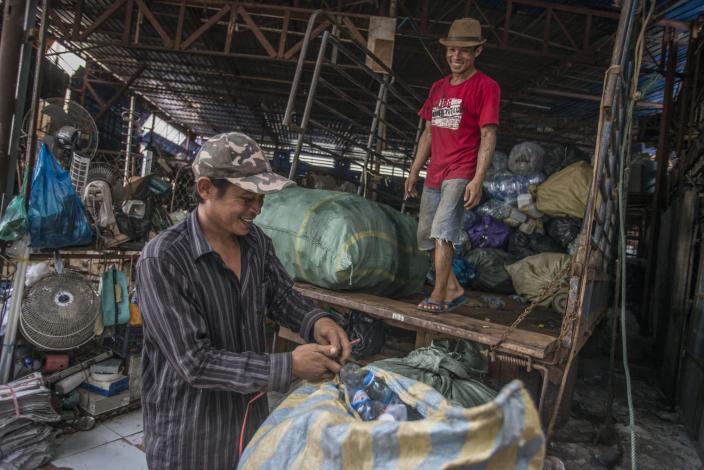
[204, 343]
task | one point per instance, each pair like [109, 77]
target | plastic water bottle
[396, 412]
[378, 390]
[367, 408]
[352, 376]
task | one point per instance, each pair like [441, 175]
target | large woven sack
[530, 275]
[342, 241]
[313, 429]
[565, 193]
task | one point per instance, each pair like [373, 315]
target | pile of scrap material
[26, 439]
[525, 230]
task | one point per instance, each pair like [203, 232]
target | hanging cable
[624, 160]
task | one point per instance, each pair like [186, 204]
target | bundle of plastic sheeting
[562, 156]
[488, 233]
[489, 266]
[564, 230]
[342, 241]
[521, 245]
[526, 158]
[534, 273]
[508, 186]
[565, 193]
[448, 367]
[499, 163]
[26, 442]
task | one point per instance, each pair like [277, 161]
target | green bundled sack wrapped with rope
[341, 241]
[448, 367]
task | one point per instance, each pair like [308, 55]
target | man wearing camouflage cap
[205, 287]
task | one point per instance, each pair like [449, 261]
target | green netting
[344, 242]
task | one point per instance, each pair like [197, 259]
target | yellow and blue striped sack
[313, 429]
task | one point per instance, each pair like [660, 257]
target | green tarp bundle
[341, 241]
[447, 366]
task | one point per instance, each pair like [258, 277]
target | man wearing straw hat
[461, 114]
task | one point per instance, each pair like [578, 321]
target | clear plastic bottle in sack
[377, 390]
[367, 408]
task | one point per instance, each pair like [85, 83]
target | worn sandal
[461, 300]
[432, 306]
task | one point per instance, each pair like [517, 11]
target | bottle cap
[368, 379]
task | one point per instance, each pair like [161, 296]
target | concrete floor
[115, 444]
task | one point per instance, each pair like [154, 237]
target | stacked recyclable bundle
[342, 241]
[26, 441]
[522, 235]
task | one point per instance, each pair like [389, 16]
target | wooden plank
[529, 343]
[423, 338]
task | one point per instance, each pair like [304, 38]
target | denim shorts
[441, 213]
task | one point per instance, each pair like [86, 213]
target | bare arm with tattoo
[487, 145]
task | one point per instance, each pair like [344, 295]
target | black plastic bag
[521, 245]
[564, 230]
[370, 331]
[562, 156]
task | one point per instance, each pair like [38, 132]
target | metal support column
[373, 134]
[25, 65]
[662, 158]
[9, 65]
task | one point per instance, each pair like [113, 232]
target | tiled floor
[115, 444]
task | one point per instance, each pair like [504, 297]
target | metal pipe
[130, 136]
[362, 190]
[309, 104]
[8, 345]
[9, 66]
[30, 15]
[34, 103]
[288, 115]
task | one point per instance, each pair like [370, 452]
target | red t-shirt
[457, 113]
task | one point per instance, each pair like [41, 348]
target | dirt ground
[588, 441]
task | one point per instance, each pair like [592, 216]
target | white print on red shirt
[447, 113]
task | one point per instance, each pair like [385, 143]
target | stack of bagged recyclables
[518, 239]
[316, 427]
[26, 441]
[341, 241]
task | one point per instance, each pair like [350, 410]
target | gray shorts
[441, 214]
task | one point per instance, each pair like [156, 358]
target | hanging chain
[542, 295]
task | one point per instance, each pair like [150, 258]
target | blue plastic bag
[56, 214]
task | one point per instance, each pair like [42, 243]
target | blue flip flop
[461, 300]
[424, 306]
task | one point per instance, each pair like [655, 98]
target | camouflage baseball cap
[238, 159]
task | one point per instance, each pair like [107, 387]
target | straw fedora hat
[465, 32]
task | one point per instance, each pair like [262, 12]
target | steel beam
[125, 86]
[10, 42]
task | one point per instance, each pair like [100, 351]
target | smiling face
[230, 210]
[461, 59]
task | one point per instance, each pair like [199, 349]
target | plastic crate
[126, 340]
